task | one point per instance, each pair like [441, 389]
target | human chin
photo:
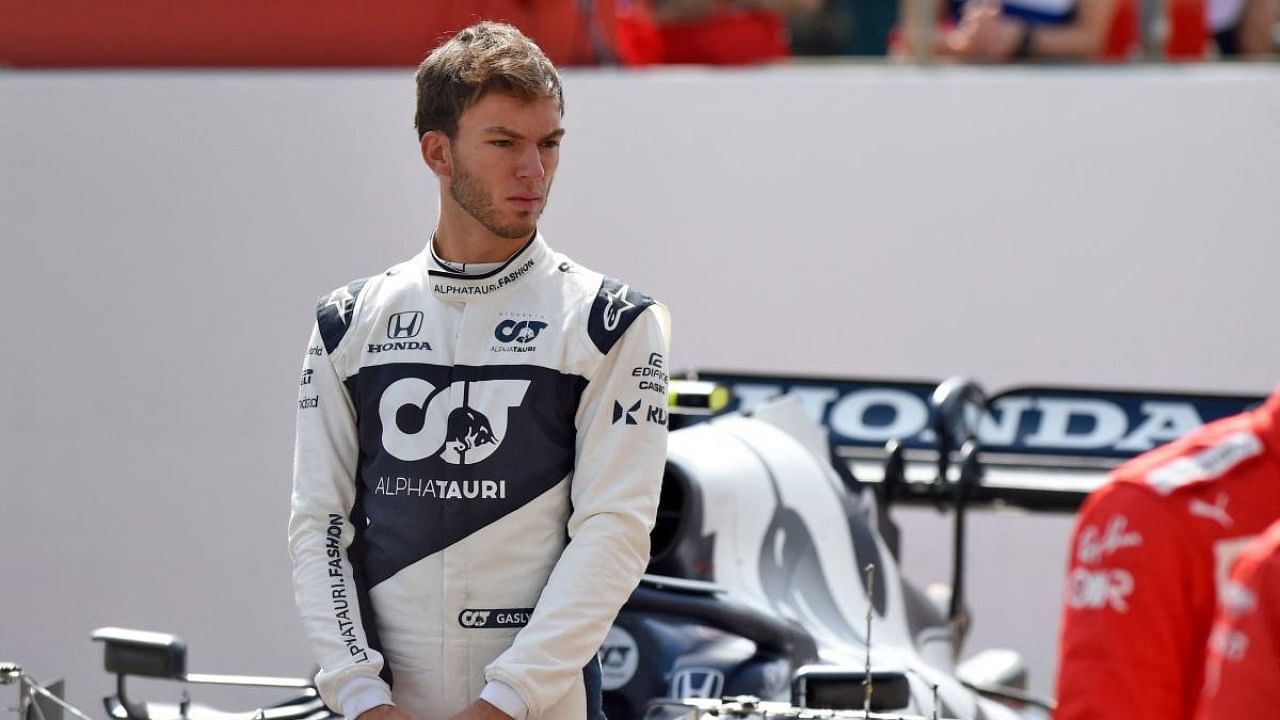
[515, 229]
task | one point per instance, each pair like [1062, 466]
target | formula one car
[774, 589]
[774, 571]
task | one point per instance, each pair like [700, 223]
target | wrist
[362, 693]
[504, 698]
[1026, 42]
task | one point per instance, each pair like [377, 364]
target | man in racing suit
[481, 431]
[1151, 549]
[1242, 676]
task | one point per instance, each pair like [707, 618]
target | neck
[464, 240]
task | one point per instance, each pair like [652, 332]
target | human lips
[525, 201]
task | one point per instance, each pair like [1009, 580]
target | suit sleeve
[1129, 609]
[321, 532]
[1242, 673]
[620, 455]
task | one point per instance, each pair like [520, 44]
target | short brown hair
[485, 57]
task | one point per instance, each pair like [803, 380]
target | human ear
[436, 153]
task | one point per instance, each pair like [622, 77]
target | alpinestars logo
[615, 306]
[339, 299]
[462, 424]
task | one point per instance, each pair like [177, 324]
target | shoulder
[615, 307]
[607, 306]
[1120, 515]
[1213, 485]
[1207, 458]
[339, 309]
[335, 311]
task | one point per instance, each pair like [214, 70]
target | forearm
[594, 577]
[1084, 38]
[1068, 42]
[1258, 27]
[327, 585]
[617, 477]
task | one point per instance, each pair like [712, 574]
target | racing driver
[1242, 676]
[477, 463]
[1151, 549]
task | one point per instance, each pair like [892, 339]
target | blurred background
[1063, 192]
[332, 33]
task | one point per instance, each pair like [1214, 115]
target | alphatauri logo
[462, 424]
[522, 331]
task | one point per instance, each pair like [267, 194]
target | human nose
[530, 164]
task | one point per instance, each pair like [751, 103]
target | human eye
[501, 143]
[550, 143]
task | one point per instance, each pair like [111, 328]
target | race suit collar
[459, 288]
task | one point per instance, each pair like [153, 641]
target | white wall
[163, 237]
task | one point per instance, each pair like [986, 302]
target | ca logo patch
[462, 424]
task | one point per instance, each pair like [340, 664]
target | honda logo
[697, 683]
[404, 325]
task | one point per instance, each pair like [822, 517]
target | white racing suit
[476, 474]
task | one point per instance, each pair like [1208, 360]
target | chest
[517, 332]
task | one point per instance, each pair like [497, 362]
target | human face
[505, 155]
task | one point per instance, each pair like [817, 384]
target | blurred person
[1150, 549]
[471, 502]
[1242, 675]
[844, 27]
[1234, 28]
[1243, 28]
[726, 32]
[995, 31]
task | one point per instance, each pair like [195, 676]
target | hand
[984, 34]
[385, 712]
[478, 710]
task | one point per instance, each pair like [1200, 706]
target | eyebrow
[503, 130]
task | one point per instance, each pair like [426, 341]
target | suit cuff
[505, 698]
[363, 693]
